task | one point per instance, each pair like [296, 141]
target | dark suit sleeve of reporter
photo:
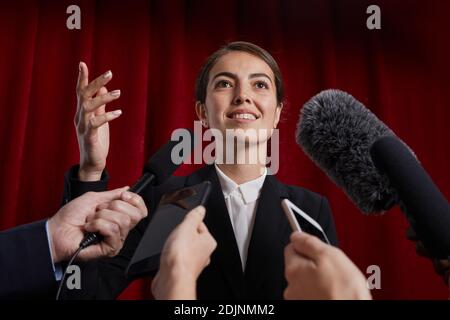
[74, 188]
[26, 268]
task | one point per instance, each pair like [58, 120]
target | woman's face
[241, 94]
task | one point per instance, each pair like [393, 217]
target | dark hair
[203, 77]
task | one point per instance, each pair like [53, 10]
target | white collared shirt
[241, 201]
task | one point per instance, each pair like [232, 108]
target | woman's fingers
[92, 88]
[101, 109]
[92, 97]
[83, 74]
[97, 121]
[101, 100]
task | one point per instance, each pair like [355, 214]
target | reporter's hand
[91, 122]
[315, 270]
[112, 213]
[441, 267]
[185, 254]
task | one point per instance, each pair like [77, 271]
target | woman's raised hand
[91, 122]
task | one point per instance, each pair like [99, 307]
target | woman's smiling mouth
[242, 116]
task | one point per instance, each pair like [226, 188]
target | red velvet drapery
[155, 49]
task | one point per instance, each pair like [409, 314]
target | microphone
[425, 207]
[157, 170]
[336, 131]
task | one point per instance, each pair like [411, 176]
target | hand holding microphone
[374, 167]
[112, 214]
[441, 266]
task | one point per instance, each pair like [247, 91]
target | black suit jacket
[223, 278]
[26, 268]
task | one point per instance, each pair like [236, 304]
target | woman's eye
[261, 85]
[223, 84]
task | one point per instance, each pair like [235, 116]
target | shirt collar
[250, 190]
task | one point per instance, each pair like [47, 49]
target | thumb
[107, 196]
[194, 217]
[82, 75]
[307, 245]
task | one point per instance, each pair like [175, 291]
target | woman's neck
[241, 173]
[244, 167]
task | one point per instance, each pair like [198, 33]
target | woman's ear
[277, 115]
[200, 109]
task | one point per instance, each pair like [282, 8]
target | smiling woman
[239, 88]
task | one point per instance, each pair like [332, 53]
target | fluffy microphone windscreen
[336, 131]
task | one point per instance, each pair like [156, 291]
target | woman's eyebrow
[225, 74]
[233, 76]
[257, 75]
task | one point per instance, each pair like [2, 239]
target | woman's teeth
[248, 116]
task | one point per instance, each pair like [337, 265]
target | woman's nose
[241, 96]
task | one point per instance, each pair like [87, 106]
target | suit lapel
[268, 238]
[218, 221]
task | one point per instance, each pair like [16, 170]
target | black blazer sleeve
[74, 188]
[26, 268]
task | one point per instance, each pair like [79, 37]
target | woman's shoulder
[171, 184]
[177, 182]
[301, 192]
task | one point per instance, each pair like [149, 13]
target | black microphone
[425, 207]
[157, 170]
[336, 131]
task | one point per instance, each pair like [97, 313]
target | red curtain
[155, 48]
